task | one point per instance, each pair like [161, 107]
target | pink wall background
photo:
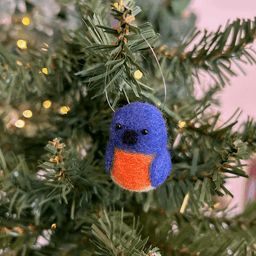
[242, 91]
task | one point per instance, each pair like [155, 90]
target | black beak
[130, 137]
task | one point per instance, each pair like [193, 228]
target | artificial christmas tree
[63, 74]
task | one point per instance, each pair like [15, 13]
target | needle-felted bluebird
[137, 156]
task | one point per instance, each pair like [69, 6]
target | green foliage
[66, 196]
[127, 242]
[168, 17]
[208, 233]
[179, 6]
[214, 53]
[63, 180]
[117, 60]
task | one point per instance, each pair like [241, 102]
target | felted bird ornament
[137, 156]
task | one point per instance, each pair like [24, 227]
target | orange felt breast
[131, 170]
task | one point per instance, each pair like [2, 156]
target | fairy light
[44, 49]
[64, 109]
[138, 74]
[27, 113]
[19, 63]
[182, 124]
[20, 123]
[25, 21]
[22, 44]
[45, 71]
[47, 104]
[54, 225]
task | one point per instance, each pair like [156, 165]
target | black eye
[144, 131]
[118, 126]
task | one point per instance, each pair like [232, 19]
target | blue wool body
[137, 156]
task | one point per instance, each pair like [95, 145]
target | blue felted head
[138, 127]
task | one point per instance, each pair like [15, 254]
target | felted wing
[109, 157]
[160, 168]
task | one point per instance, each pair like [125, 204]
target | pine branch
[62, 177]
[210, 232]
[214, 53]
[112, 236]
[117, 50]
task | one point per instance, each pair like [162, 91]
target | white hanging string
[165, 90]
[107, 92]
[108, 101]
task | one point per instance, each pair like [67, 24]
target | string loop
[165, 90]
